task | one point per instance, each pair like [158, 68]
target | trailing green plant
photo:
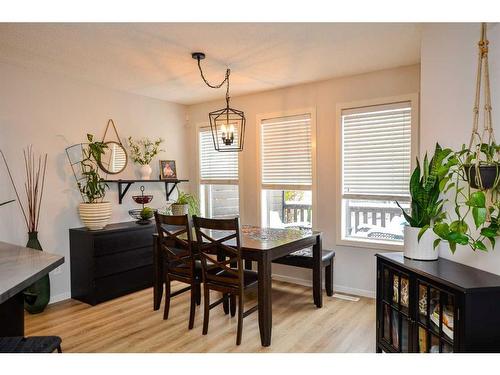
[425, 181]
[190, 200]
[142, 151]
[478, 207]
[93, 189]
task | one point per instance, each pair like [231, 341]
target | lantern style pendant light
[227, 124]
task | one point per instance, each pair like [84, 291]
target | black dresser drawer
[123, 261]
[117, 285]
[120, 241]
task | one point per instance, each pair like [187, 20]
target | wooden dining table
[260, 245]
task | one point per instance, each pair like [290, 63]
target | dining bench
[304, 259]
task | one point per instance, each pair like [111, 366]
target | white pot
[180, 209]
[145, 172]
[420, 250]
[95, 215]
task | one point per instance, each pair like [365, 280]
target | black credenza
[435, 306]
[111, 262]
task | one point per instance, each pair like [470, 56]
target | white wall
[355, 267]
[52, 112]
[448, 79]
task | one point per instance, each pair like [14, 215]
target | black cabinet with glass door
[435, 307]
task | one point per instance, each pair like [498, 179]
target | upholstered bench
[303, 259]
[34, 344]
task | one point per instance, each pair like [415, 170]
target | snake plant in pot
[426, 205]
[185, 204]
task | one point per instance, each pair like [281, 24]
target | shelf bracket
[167, 191]
[122, 192]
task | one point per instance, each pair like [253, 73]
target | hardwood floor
[129, 324]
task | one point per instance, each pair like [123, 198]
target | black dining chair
[32, 344]
[180, 261]
[219, 247]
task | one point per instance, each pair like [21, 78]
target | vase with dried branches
[36, 297]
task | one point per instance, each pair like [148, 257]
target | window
[219, 196]
[286, 171]
[376, 165]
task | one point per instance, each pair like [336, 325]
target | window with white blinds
[286, 153]
[376, 151]
[216, 167]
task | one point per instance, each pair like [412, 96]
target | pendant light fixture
[227, 124]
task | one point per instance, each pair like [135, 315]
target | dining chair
[219, 246]
[180, 261]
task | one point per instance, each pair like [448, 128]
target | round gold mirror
[114, 160]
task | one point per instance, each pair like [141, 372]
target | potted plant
[37, 295]
[426, 205]
[94, 212]
[480, 208]
[185, 204]
[482, 167]
[142, 151]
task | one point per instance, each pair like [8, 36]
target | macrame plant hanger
[484, 136]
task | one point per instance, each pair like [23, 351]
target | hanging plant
[482, 164]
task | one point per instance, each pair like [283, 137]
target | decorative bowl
[136, 214]
[142, 199]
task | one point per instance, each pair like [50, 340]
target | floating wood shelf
[124, 185]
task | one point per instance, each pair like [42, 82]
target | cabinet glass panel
[395, 329]
[404, 335]
[405, 294]
[395, 290]
[447, 348]
[434, 310]
[387, 293]
[422, 340]
[434, 344]
[422, 303]
[387, 324]
[448, 316]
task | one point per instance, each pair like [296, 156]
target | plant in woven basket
[185, 200]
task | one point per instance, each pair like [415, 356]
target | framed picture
[168, 169]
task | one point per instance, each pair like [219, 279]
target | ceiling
[154, 59]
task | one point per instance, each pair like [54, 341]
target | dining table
[19, 268]
[262, 246]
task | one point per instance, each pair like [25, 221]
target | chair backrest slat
[178, 251]
[219, 246]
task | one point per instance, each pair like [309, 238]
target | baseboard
[59, 297]
[336, 287]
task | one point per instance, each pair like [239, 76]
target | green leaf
[436, 243]
[479, 245]
[442, 230]
[442, 183]
[479, 215]
[489, 232]
[453, 247]
[459, 238]
[477, 199]
[492, 241]
[459, 226]
[422, 231]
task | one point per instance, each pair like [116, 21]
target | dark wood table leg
[157, 274]
[317, 287]
[12, 316]
[265, 300]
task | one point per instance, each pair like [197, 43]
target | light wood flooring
[129, 324]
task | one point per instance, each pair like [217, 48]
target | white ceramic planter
[95, 216]
[420, 250]
[180, 209]
[145, 172]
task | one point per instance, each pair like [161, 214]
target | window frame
[198, 180]
[294, 112]
[415, 145]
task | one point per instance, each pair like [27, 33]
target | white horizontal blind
[216, 167]
[376, 150]
[286, 152]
